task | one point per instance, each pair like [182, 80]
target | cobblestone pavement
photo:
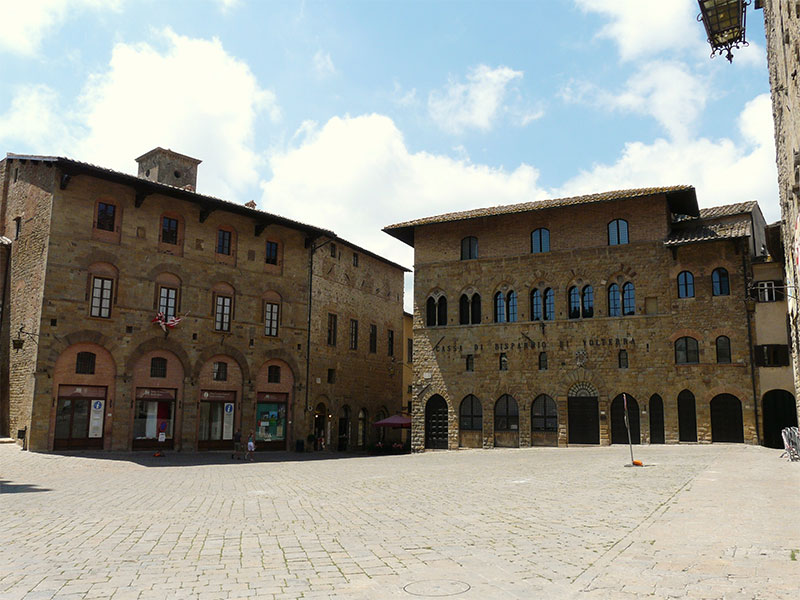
[719, 521]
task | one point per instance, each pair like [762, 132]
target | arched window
[102, 289]
[618, 232]
[574, 305]
[511, 306]
[544, 414]
[686, 351]
[471, 414]
[463, 310]
[469, 248]
[628, 299]
[168, 292]
[723, 350]
[685, 284]
[272, 312]
[536, 305]
[587, 302]
[623, 359]
[540, 241]
[430, 312]
[543, 361]
[84, 363]
[720, 284]
[499, 308]
[441, 311]
[506, 414]
[503, 362]
[614, 306]
[158, 367]
[476, 309]
[222, 296]
[549, 305]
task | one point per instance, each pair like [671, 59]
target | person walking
[237, 445]
[251, 446]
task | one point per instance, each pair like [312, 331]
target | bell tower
[165, 166]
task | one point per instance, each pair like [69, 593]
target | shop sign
[96, 419]
[214, 395]
[155, 394]
[227, 421]
[81, 391]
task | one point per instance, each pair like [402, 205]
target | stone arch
[158, 342]
[583, 389]
[88, 336]
[214, 350]
[165, 267]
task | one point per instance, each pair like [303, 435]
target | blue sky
[356, 115]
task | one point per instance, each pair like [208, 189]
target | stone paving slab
[699, 521]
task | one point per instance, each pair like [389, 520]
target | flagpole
[627, 426]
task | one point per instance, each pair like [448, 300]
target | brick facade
[583, 355]
[66, 253]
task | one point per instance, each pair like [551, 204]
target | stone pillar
[605, 420]
[563, 433]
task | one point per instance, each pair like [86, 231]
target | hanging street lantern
[724, 21]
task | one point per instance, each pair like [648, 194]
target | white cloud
[474, 104]
[192, 97]
[664, 90]
[323, 65]
[226, 5]
[26, 23]
[723, 171]
[641, 27]
[356, 175]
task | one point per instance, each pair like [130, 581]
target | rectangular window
[353, 334]
[772, 355]
[272, 253]
[390, 342]
[273, 374]
[331, 375]
[169, 230]
[470, 362]
[355, 259]
[766, 291]
[333, 250]
[503, 361]
[101, 297]
[168, 301]
[222, 313]
[409, 350]
[105, 216]
[220, 372]
[271, 314]
[84, 363]
[17, 227]
[331, 329]
[373, 338]
[223, 242]
[158, 367]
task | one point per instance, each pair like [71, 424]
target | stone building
[137, 313]
[535, 323]
[782, 29]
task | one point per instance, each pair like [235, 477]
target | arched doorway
[436, 423]
[619, 433]
[726, 419]
[506, 422]
[583, 416]
[361, 435]
[656, 419]
[687, 417]
[779, 410]
[544, 421]
[344, 429]
[320, 421]
[158, 394]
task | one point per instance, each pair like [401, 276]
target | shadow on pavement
[20, 488]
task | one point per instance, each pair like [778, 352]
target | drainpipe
[311, 250]
[747, 282]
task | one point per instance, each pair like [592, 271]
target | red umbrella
[395, 422]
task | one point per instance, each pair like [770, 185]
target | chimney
[171, 168]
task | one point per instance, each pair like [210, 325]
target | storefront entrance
[320, 420]
[271, 421]
[216, 416]
[80, 417]
[583, 421]
[154, 419]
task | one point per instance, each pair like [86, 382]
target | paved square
[719, 521]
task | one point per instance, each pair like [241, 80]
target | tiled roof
[404, 231]
[709, 232]
[728, 210]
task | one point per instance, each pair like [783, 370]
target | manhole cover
[433, 588]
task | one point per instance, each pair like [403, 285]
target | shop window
[614, 304]
[685, 284]
[470, 414]
[622, 359]
[540, 241]
[544, 414]
[84, 363]
[353, 334]
[587, 302]
[503, 361]
[628, 299]
[723, 349]
[220, 371]
[536, 305]
[686, 351]
[720, 284]
[273, 374]
[549, 305]
[543, 361]
[106, 216]
[390, 342]
[331, 329]
[618, 232]
[158, 367]
[272, 253]
[469, 248]
[506, 414]
[373, 339]
[470, 366]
